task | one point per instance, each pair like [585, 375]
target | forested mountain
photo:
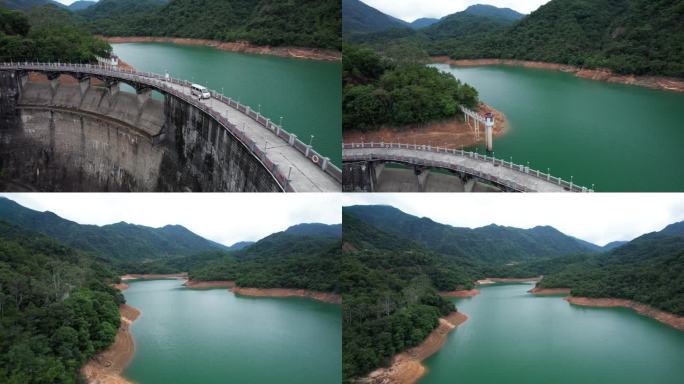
[390, 301]
[305, 256]
[81, 5]
[423, 22]
[613, 244]
[56, 308]
[25, 5]
[491, 11]
[492, 244]
[120, 241]
[240, 245]
[36, 39]
[648, 269]
[307, 23]
[642, 37]
[628, 36]
[358, 17]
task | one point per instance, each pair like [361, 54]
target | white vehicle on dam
[200, 92]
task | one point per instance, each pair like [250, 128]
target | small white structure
[489, 128]
[114, 61]
[200, 91]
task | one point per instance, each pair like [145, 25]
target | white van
[200, 91]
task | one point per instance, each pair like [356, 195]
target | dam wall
[57, 134]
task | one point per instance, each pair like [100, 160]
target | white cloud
[599, 218]
[409, 10]
[222, 217]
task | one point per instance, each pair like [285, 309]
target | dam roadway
[507, 175]
[293, 165]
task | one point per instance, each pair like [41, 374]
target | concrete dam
[76, 128]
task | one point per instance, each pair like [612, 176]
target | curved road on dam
[296, 166]
[513, 176]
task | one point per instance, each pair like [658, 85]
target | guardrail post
[308, 148]
[292, 140]
[324, 164]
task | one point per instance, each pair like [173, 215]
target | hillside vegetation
[22, 40]
[56, 308]
[380, 92]
[120, 241]
[389, 302]
[306, 23]
[649, 270]
[642, 37]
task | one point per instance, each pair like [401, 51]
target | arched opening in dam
[80, 131]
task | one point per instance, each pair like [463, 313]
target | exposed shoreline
[196, 284]
[287, 292]
[494, 280]
[461, 293]
[317, 54]
[599, 74]
[154, 276]
[406, 367]
[670, 319]
[107, 366]
[549, 291]
[453, 133]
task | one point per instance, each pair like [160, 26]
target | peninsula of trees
[641, 37]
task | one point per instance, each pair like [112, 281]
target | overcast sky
[597, 217]
[222, 217]
[409, 10]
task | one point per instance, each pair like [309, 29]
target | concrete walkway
[305, 176]
[497, 173]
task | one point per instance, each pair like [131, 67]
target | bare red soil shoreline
[285, 292]
[244, 47]
[600, 74]
[209, 284]
[494, 280]
[549, 291]
[642, 309]
[154, 276]
[406, 367]
[452, 134]
[462, 293]
[106, 367]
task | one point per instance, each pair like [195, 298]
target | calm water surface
[619, 137]
[514, 337]
[211, 336]
[307, 93]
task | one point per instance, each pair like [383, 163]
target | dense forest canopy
[381, 92]
[56, 308]
[649, 270]
[306, 23]
[642, 37]
[389, 302]
[21, 39]
[120, 241]
[491, 244]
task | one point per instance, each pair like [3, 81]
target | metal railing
[526, 170]
[161, 83]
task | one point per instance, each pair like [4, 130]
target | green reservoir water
[213, 337]
[514, 337]
[619, 137]
[307, 93]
